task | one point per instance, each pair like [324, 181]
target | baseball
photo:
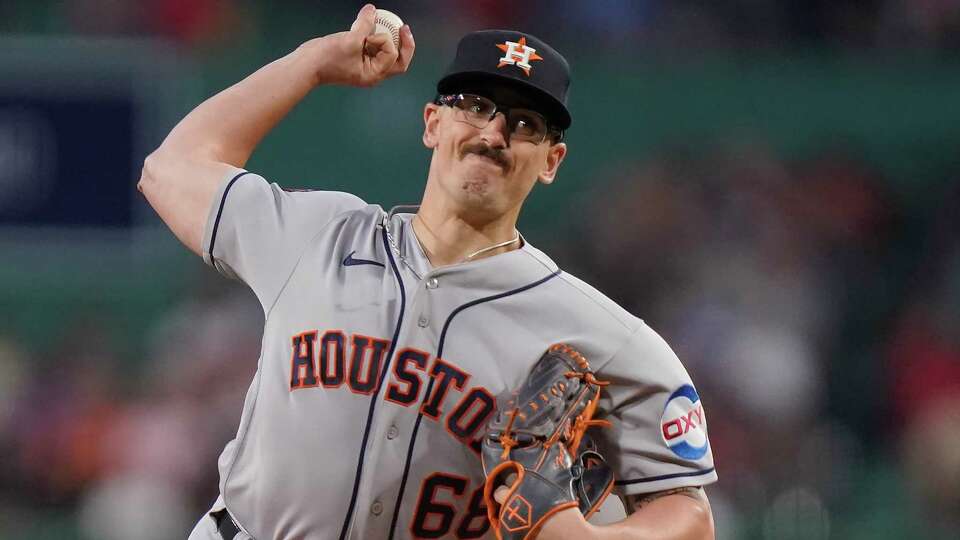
[389, 23]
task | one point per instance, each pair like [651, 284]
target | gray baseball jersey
[378, 373]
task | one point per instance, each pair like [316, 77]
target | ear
[431, 122]
[555, 155]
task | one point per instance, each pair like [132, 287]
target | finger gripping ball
[388, 22]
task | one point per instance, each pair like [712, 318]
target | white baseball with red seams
[389, 23]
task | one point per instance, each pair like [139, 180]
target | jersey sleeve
[256, 231]
[658, 438]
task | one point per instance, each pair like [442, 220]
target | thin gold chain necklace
[514, 240]
[481, 251]
[395, 246]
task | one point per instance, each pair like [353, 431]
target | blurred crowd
[674, 25]
[820, 318]
[817, 315]
[103, 447]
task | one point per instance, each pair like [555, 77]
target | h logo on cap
[518, 54]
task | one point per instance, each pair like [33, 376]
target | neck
[448, 237]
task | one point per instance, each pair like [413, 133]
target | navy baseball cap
[515, 59]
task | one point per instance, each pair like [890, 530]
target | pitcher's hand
[359, 57]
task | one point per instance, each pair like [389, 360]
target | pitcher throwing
[390, 335]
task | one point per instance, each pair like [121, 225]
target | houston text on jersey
[335, 360]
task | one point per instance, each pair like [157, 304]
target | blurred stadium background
[772, 185]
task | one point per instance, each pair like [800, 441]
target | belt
[225, 526]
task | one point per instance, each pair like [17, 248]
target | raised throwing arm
[181, 177]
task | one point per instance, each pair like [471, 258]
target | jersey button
[433, 283]
[422, 322]
[376, 508]
[392, 433]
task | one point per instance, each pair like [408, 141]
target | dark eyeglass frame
[450, 100]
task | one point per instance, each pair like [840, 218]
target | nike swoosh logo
[350, 261]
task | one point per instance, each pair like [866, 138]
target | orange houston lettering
[322, 361]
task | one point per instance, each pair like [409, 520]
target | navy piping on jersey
[443, 336]
[216, 222]
[664, 477]
[376, 395]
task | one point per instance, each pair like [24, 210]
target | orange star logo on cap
[518, 54]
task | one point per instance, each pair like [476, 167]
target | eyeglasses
[478, 111]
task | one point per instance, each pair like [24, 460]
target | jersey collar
[493, 274]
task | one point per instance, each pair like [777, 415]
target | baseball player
[388, 336]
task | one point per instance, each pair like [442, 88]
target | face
[482, 172]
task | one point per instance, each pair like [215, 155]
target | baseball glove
[537, 446]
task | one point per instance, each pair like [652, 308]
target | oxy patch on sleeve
[683, 424]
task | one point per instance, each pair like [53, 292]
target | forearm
[674, 517]
[227, 127]
[682, 514]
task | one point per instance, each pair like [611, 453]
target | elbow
[148, 174]
[703, 522]
[145, 176]
[153, 171]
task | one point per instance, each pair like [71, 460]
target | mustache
[485, 150]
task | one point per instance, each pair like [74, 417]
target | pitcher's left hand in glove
[538, 448]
